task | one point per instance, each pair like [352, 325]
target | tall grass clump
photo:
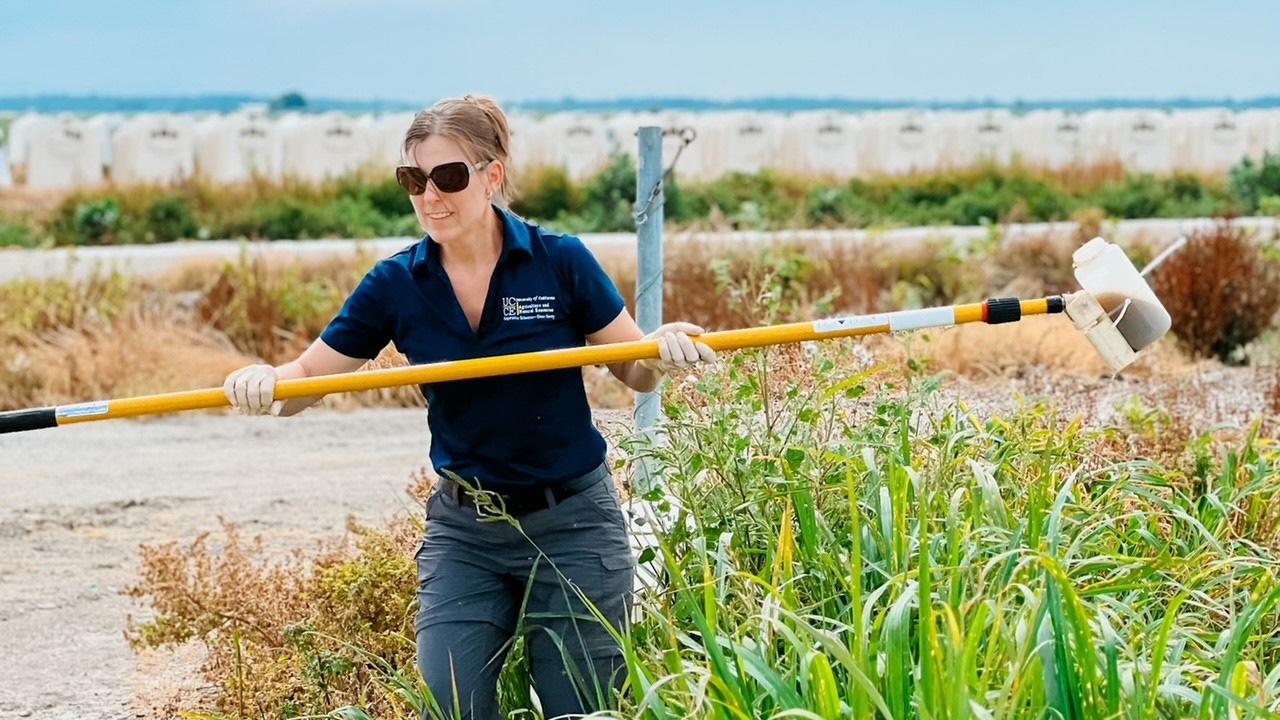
[897, 556]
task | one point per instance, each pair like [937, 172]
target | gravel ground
[76, 502]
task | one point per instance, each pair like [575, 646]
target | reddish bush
[1220, 291]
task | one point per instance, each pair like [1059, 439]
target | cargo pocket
[603, 498]
[433, 501]
[618, 561]
[614, 596]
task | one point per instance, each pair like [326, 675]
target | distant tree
[289, 101]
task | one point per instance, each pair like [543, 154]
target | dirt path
[76, 502]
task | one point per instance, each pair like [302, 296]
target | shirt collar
[515, 238]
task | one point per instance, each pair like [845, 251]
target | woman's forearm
[293, 371]
[637, 376]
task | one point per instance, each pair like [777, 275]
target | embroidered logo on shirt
[534, 307]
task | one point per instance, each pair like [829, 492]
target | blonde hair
[477, 124]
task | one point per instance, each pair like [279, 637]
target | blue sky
[720, 49]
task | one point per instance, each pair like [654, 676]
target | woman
[483, 282]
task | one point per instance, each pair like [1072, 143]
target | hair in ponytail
[477, 124]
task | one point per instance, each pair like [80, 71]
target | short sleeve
[361, 328]
[595, 300]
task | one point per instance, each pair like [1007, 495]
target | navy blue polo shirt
[547, 291]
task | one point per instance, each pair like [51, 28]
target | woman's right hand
[252, 389]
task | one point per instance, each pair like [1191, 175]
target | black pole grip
[1003, 310]
[23, 420]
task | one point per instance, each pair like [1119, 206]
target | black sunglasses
[450, 177]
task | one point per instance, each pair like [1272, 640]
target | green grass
[947, 566]
[857, 545]
[860, 548]
[853, 544]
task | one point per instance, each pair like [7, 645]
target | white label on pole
[925, 318]
[855, 322]
[88, 409]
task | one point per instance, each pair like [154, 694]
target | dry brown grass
[855, 276]
[1047, 342]
[402, 396]
[274, 312]
[138, 354]
[987, 350]
[1079, 178]
[24, 200]
[188, 328]
[1034, 266]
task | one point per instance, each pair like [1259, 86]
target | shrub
[679, 207]
[609, 196]
[1220, 291]
[405, 226]
[363, 204]
[170, 218]
[999, 197]
[384, 195]
[1270, 205]
[1251, 181]
[286, 218]
[97, 222]
[547, 193]
[751, 201]
[16, 234]
[840, 206]
[1137, 197]
[352, 218]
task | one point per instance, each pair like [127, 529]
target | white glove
[252, 389]
[677, 350]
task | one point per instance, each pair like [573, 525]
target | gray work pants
[473, 577]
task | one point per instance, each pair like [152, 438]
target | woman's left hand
[678, 350]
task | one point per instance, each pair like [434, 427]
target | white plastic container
[153, 148]
[820, 143]
[59, 151]
[234, 148]
[984, 136]
[893, 142]
[697, 160]
[388, 136]
[330, 145]
[1050, 139]
[577, 142]
[1104, 271]
[743, 142]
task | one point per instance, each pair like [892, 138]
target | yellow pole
[986, 311]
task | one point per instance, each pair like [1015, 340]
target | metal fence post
[648, 278]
